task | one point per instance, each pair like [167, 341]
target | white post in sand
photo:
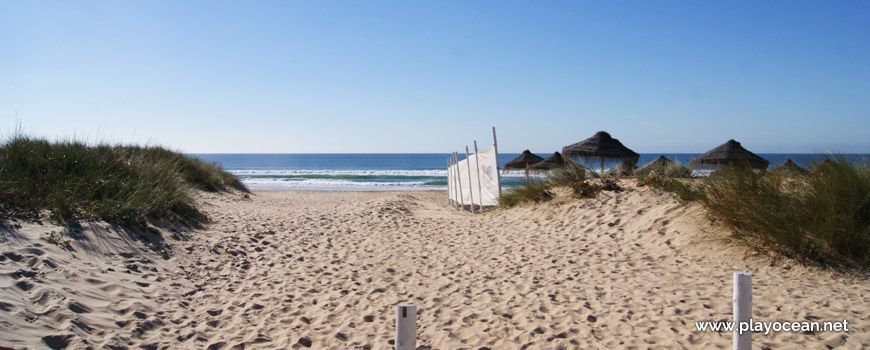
[742, 310]
[406, 327]
[470, 190]
[477, 171]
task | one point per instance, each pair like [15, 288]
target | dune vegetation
[69, 181]
[573, 176]
[820, 217]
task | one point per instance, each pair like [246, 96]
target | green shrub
[585, 189]
[610, 184]
[119, 184]
[588, 189]
[823, 217]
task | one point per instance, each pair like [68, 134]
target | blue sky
[431, 76]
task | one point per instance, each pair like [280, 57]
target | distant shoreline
[397, 171]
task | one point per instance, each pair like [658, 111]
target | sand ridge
[325, 270]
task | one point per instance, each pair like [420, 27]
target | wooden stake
[453, 178]
[449, 202]
[470, 191]
[457, 189]
[458, 177]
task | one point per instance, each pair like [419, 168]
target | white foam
[432, 173]
[333, 184]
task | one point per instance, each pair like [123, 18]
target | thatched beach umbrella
[524, 161]
[658, 165]
[601, 146]
[551, 162]
[729, 153]
[825, 163]
[788, 167]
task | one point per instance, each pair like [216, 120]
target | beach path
[325, 270]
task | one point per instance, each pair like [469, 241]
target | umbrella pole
[527, 174]
[602, 166]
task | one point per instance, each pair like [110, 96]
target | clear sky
[431, 76]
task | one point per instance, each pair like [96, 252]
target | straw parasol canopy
[729, 153]
[523, 161]
[601, 146]
[624, 169]
[657, 165]
[789, 167]
[820, 166]
[553, 161]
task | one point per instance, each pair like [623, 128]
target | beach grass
[124, 185]
[672, 179]
[533, 191]
[676, 170]
[568, 175]
[820, 217]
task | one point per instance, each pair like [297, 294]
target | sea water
[380, 172]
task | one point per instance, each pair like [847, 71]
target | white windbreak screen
[454, 186]
[478, 186]
[488, 170]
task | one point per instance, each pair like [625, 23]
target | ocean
[385, 172]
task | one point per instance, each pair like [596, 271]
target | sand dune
[324, 270]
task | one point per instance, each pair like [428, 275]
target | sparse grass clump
[535, 191]
[123, 185]
[571, 175]
[676, 170]
[822, 217]
[681, 190]
[568, 175]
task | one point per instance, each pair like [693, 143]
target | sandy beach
[279, 175]
[324, 270]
